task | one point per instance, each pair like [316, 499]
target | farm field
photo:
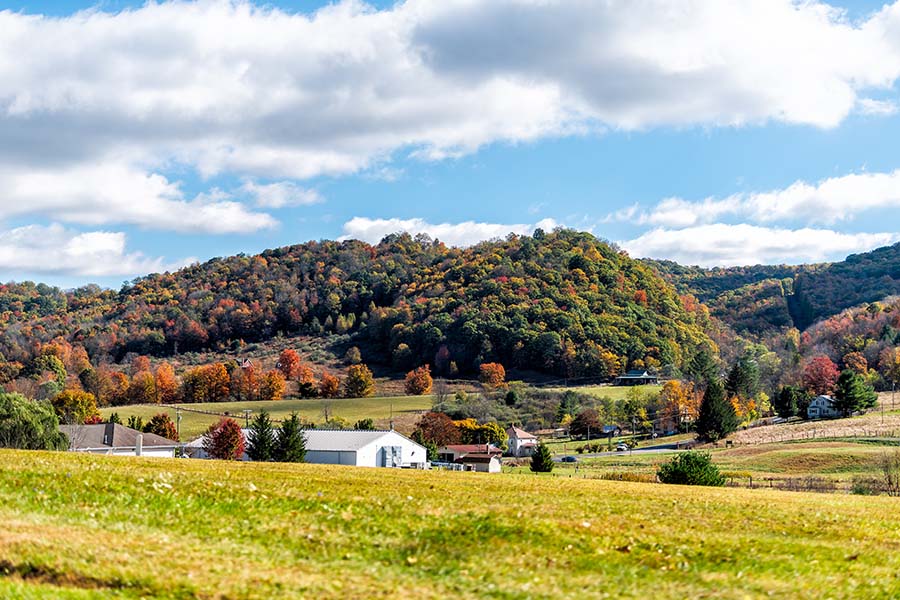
[836, 461]
[406, 410]
[80, 526]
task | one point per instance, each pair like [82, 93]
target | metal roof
[330, 440]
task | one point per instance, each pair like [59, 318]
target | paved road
[658, 449]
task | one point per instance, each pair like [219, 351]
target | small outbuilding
[117, 440]
[637, 377]
[482, 463]
[822, 407]
[454, 452]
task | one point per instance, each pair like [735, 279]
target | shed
[482, 463]
[637, 377]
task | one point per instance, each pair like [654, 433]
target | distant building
[117, 440]
[354, 448]
[521, 443]
[822, 407]
[637, 377]
[482, 463]
[454, 452]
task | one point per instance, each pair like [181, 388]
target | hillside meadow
[405, 409]
[78, 526]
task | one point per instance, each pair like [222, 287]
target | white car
[622, 447]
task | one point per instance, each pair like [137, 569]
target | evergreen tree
[743, 379]
[290, 445]
[717, 417]
[853, 393]
[261, 438]
[702, 367]
[541, 461]
[789, 401]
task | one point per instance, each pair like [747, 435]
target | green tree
[365, 425]
[743, 379]
[261, 438]
[717, 417]
[853, 393]
[29, 425]
[790, 401]
[541, 461]
[290, 444]
[359, 382]
[702, 367]
[691, 468]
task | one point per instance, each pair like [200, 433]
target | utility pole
[178, 422]
[247, 412]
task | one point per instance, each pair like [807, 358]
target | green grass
[77, 526]
[613, 392]
[405, 408]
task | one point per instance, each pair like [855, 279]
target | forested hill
[563, 303]
[762, 298]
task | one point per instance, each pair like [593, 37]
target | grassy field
[836, 462]
[406, 410]
[78, 526]
[612, 392]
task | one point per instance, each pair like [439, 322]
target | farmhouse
[521, 443]
[118, 440]
[355, 448]
[822, 407]
[637, 377]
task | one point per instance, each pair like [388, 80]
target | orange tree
[418, 381]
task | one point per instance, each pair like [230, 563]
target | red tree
[820, 375]
[289, 364]
[438, 428]
[224, 440]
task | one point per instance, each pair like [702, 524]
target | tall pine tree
[261, 438]
[717, 417]
[291, 443]
[702, 367]
[853, 393]
[541, 461]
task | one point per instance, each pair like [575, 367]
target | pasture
[79, 526]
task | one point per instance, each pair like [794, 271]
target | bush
[691, 468]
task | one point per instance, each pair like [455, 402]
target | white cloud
[453, 234]
[880, 108]
[734, 245]
[281, 194]
[826, 202]
[228, 87]
[56, 250]
[114, 193]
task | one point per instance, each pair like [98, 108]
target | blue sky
[142, 140]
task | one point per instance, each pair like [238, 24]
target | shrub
[691, 468]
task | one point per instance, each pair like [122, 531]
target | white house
[117, 440]
[521, 443]
[482, 463]
[355, 448]
[822, 407]
[454, 452]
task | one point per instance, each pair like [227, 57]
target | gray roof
[111, 435]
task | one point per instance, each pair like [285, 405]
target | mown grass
[352, 409]
[613, 392]
[78, 526]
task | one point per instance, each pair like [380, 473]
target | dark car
[568, 459]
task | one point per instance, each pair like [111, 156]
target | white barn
[354, 448]
[822, 407]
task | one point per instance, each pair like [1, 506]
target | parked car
[622, 447]
[568, 459]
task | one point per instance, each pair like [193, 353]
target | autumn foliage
[224, 440]
[820, 375]
[492, 375]
[419, 381]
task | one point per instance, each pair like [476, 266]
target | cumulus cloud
[735, 245]
[827, 202]
[114, 193]
[281, 194]
[226, 86]
[56, 250]
[453, 234]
